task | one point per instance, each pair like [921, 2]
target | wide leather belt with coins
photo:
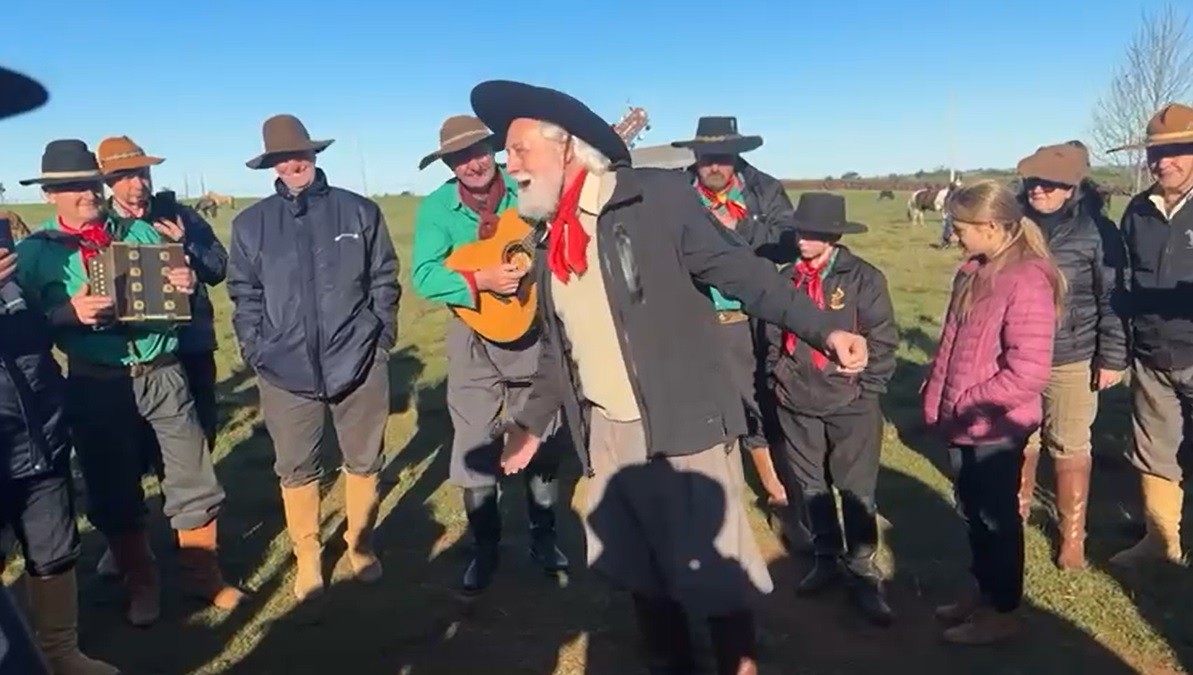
[731, 316]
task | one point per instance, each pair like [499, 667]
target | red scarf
[485, 205]
[724, 200]
[808, 277]
[93, 235]
[567, 241]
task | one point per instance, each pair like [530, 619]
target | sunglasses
[1045, 185]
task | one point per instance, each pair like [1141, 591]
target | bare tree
[1157, 69]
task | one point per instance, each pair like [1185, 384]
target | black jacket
[34, 437]
[314, 282]
[1160, 297]
[655, 237]
[857, 300]
[768, 227]
[1088, 248]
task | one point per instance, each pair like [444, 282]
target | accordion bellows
[136, 277]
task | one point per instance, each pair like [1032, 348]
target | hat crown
[460, 125]
[68, 154]
[1171, 119]
[820, 207]
[716, 127]
[284, 132]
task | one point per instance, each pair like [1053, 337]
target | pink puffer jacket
[985, 382]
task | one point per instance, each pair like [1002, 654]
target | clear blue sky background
[831, 86]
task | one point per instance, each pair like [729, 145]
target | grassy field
[413, 623]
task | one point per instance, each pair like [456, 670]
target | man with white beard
[485, 380]
[629, 351]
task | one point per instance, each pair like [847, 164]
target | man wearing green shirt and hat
[122, 376]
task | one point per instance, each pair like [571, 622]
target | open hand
[91, 310]
[849, 350]
[520, 448]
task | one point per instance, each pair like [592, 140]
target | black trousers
[41, 513]
[986, 482]
[837, 450]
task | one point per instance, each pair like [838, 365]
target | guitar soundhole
[519, 256]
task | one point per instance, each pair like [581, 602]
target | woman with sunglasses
[1089, 352]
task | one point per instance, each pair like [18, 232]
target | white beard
[540, 199]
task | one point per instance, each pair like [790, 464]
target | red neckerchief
[566, 240]
[808, 277]
[485, 205]
[94, 236]
[721, 200]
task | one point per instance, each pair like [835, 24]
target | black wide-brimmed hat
[719, 136]
[824, 213]
[499, 102]
[19, 93]
[66, 161]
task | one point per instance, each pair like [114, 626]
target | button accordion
[136, 277]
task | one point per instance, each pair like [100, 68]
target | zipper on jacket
[314, 347]
[627, 353]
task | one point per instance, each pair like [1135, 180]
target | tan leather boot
[959, 611]
[1072, 501]
[54, 613]
[1162, 505]
[985, 626]
[1027, 482]
[199, 565]
[361, 502]
[134, 559]
[302, 523]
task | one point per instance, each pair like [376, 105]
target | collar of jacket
[298, 202]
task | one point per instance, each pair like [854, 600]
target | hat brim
[847, 227]
[729, 146]
[132, 164]
[1143, 145]
[448, 149]
[499, 102]
[266, 160]
[19, 94]
[95, 177]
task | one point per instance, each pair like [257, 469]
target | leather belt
[80, 368]
[731, 316]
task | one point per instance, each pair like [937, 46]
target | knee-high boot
[484, 521]
[1072, 498]
[821, 510]
[542, 493]
[861, 543]
[361, 502]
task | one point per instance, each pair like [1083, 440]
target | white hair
[592, 159]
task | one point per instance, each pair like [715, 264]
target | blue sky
[832, 87]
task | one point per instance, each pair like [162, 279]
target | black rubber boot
[542, 492]
[865, 579]
[821, 512]
[484, 521]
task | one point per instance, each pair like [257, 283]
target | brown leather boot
[135, 561]
[1072, 498]
[985, 626]
[199, 565]
[1162, 501]
[734, 643]
[302, 523]
[959, 611]
[361, 502]
[1027, 482]
[54, 605]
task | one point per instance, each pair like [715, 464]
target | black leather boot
[821, 512]
[484, 521]
[865, 579]
[542, 492]
[666, 642]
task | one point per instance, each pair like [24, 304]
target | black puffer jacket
[34, 438]
[1089, 250]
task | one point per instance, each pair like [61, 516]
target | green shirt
[442, 224]
[50, 272]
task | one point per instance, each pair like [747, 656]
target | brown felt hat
[459, 132]
[1172, 125]
[283, 134]
[120, 153]
[1064, 164]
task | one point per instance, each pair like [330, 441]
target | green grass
[413, 622]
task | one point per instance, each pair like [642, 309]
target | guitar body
[499, 318]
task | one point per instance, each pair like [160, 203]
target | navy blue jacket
[34, 437]
[314, 283]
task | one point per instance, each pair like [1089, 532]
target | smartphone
[165, 205]
[6, 241]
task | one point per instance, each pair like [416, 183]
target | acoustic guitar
[506, 318]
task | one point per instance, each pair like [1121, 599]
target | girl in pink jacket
[983, 393]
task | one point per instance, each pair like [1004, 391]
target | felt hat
[19, 93]
[66, 161]
[117, 154]
[1171, 125]
[459, 132]
[284, 134]
[499, 102]
[1064, 164]
[719, 136]
[824, 213]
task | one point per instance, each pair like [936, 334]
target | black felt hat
[824, 213]
[19, 93]
[719, 136]
[499, 102]
[66, 161]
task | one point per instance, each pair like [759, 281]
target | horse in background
[928, 199]
[209, 204]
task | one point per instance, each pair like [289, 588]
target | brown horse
[19, 229]
[221, 200]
